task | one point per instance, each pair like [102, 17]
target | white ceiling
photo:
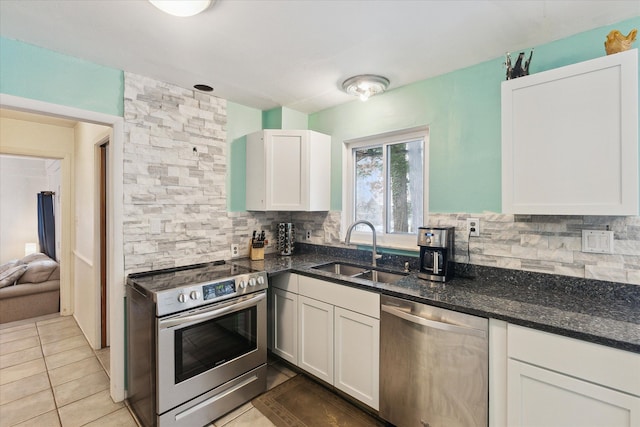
[296, 53]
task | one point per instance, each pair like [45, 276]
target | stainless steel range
[197, 342]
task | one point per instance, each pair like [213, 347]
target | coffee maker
[436, 253]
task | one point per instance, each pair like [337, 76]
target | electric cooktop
[171, 278]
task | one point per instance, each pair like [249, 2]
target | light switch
[597, 241]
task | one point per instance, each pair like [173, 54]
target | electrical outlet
[308, 234]
[473, 227]
[235, 250]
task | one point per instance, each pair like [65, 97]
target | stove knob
[242, 284]
[194, 295]
[182, 297]
[252, 282]
[260, 280]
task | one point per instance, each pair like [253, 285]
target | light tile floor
[50, 376]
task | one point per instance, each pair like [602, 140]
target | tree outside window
[388, 185]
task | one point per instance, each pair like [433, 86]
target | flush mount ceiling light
[365, 85]
[182, 7]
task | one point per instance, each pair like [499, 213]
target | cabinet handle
[433, 324]
[183, 320]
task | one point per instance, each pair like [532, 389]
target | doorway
[114, 218]
[21, 179]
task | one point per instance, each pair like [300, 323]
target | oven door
[204, 348]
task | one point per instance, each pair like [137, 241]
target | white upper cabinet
[288, 170]
[570, 139]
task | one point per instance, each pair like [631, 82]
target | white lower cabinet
[555, 381]
[283, 316]
[537, 379]
[340, 326]
[316, 338]
[357, 355]
[541, 397]
[333, 333]
[285, 325]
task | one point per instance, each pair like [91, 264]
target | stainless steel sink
[344, 269]
[382, 276]
[361, 272]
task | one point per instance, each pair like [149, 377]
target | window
[386, 178]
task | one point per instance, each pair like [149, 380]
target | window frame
[404, 241]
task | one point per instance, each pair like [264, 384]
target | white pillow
[38, 271]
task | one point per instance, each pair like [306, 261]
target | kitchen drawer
[367, 303]
[610, 367]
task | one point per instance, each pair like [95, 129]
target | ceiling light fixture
[182, 7]
[365, 85]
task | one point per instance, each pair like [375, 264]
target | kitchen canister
[286, 238]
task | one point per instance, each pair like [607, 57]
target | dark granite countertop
[600, 312]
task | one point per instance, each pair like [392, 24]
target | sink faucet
[347, 239]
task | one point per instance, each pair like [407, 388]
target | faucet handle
[378, 256]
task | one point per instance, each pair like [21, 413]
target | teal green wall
[284, 118]
[272, 119]
[294, 120]
[462, 110]
[32, 72]
[241, 120]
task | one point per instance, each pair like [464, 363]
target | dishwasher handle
[433, 324]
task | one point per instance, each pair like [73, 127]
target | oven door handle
[199, 317]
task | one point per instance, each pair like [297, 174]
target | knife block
[256, 253]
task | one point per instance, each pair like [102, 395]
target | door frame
[115, 244]
[103, 203]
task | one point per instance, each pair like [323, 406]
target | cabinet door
[539, 397]
[357, 354]
[287, 179]
[570, 139]
[285, 325]
[315, 342]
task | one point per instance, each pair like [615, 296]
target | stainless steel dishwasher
[434, 366]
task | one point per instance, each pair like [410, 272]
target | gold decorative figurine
[616, 42]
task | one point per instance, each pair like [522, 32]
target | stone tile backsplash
[175, 157]
[539, 243]
[175, 160]
[548, 244]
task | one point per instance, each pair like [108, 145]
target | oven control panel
[218, 290]
[186, 297]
